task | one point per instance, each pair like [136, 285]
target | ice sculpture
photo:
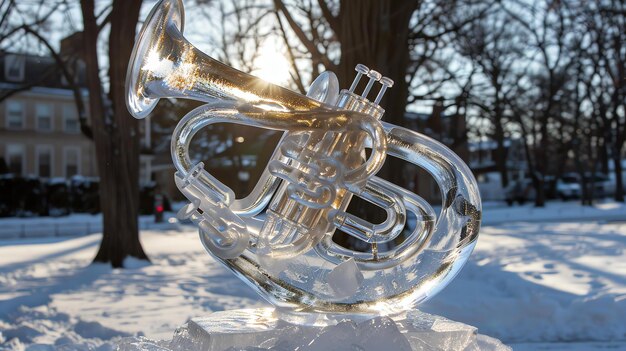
[280, 238]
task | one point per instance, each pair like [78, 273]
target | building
[482, 158]
[39, 128]
[40, 134]
[482, 161]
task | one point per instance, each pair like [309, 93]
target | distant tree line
[548, 72]
[553, 74]
[92, 29]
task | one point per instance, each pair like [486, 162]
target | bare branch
[298, 78]
[78, 98]
[310, 45]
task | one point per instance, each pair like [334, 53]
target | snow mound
[43, 328]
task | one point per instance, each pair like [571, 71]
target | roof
[34, 70]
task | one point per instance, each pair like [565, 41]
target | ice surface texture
[260, 329]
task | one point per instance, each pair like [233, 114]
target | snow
[603, 211]
[543, 281]
[72, 225]
[181, 282]
[535, 281]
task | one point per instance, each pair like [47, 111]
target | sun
[271, 64]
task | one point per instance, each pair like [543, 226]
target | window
[43, 113]
[44, 161]
[70, 120]
[14, 67]
[15, 159]
[71, 161]
[15, 114]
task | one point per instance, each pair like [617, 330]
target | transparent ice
[261, 329]
[282, 238]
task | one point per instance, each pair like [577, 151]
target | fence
[39, 229]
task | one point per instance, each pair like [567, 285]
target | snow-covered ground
[533, 282]
[538, 283]
[603, 211]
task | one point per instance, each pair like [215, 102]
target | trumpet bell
[169, 13]
[165, 64]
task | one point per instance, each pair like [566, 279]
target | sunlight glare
[271, 64]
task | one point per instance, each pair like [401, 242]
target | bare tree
[547, 27]
[605, 25]
[29, 23]
[493, 45]
[403, 39]
[114, 131]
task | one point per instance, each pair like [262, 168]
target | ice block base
[261, 329]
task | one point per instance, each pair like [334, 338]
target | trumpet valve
[361, 70]
[374, 77]
[349, 100]
[386, 83]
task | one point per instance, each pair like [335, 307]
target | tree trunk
[116, 134]
[539, 184]
[540, 194]
[500, 154]
[541, 165]
[376, 34]
[585, 198]
[619, 186]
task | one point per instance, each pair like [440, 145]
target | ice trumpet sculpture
[279, 239]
